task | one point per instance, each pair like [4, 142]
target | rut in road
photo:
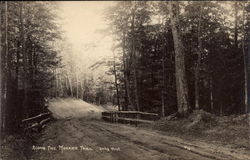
[99, 138]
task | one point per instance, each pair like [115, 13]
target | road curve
[81, 138]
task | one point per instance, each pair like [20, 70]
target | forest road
[86, 139]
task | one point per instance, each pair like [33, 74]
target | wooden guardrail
[131, 117]
[37, 122]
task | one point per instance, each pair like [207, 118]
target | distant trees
[194, 62]
[27, 59]
[72, 78]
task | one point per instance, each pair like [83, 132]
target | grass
[203, 126]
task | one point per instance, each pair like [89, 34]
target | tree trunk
[211, 94]
[61, 86]
[134, 58]
[163, 105]
[248, 73]
[4, 67]
[16, 81]
[245, 62]
[181, 81]
[236, 24]
[57, 86]
[1, 78]
[66, 84]
[164, 86]
[70, 85]
[126, 80]
[116, 85]
[197, 69]
[33, 55]
[136, 85]
[82, 91]
[25, 64]
[77, 85]
[221, 109]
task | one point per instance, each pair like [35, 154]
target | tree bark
[82, 91]
[164, 85]
[116, 85]
[211, 94]
[61, 86]
[77, 94]
[181, 81]
[1, 77]
[136, 85]
[25, 63]
[33, 55]
[4, 67]
[57, 86]
[134, 58]
[126, 79]
[66, 84]
[197, 70]
[70, 84]
[245, 62]
[236, 24]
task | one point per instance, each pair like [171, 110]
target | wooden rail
[36, 122]
[131, 117]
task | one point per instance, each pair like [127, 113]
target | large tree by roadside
[181, 81]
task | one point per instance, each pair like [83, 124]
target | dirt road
[85, 139]
[80, 134]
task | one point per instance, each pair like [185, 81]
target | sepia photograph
[125, 80]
